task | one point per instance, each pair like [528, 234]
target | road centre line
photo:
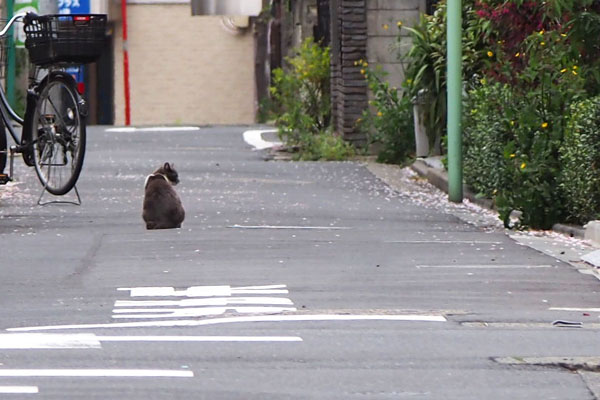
[245, 319]
[484, 266]
[19, 389]
[194, 312]
[96, 373]
[199, 338]
[299, 227]
[442, 242]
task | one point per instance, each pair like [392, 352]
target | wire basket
[65, 38]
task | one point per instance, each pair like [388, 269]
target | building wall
[184, 69]
[382, 27]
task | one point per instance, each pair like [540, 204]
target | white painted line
[134, 313]
[19, 389]
[48, 341]
[154, 129]
[199, 338]
[213, 301]
[254, 138]
[300, 227]
[442, 242]
[200, 291]
[96, 373]
[583, 309]
[484, 266]
[229, 320]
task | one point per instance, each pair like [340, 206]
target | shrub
[580, 159]
[301, 94]
[390, 124]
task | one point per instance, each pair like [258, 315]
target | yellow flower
[358, 120]
[574, 72]
[490, 54]
[563, 34]
[355, 63]
[523, 165]
[513, 155]
[518, 55]
[512, 123]
[542, 32]
[544, 125]
[575, 67]
[543, 44]
[409, 81]
[362, 71]
[365, 64]
[563, 70]
[482, 81]
[379, 114]
[399, 23]
[386, 27]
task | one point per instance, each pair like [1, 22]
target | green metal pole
[10, 58]
[454, 79]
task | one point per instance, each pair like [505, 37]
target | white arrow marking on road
[203, 291]
[194, 312]
[215, 301]
[96, 373]
[229, 320]
[48, 341]
[254, 139]
[19, 389]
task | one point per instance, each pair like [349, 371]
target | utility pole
[454, 99]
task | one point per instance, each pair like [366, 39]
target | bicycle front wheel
[58, 135]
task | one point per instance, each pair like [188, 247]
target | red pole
[125, 64]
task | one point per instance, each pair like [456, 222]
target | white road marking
[92, 341]
[96, 373]
[48, 341]
[204, 291]
[443, 242]
[19, 389]
[154, 129]
[199, 338]
[214, 301]
[484, 266]
[246, 319]
[194, 312]
[583, 309]
[299, 227]
[254, 138]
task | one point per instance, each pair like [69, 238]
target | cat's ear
[167, 166]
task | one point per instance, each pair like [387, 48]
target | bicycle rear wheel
[58, 135]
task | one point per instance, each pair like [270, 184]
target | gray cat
[162, 206]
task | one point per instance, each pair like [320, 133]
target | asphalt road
[287, 281]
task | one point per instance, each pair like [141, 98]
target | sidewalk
[427, 182]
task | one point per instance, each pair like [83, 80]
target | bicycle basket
[65, 38]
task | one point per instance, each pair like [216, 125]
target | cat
[162, 206]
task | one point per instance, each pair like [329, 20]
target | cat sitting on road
[162, 206]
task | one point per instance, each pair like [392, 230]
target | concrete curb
[439, 178]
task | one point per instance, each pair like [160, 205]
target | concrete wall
[184, 69]
[382, 45]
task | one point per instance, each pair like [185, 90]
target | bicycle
[53, 134]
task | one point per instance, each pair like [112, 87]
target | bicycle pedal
[4, 179]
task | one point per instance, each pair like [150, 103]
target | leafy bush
[326, 146]
[301, 94]
[580, 160]
[390, 125]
